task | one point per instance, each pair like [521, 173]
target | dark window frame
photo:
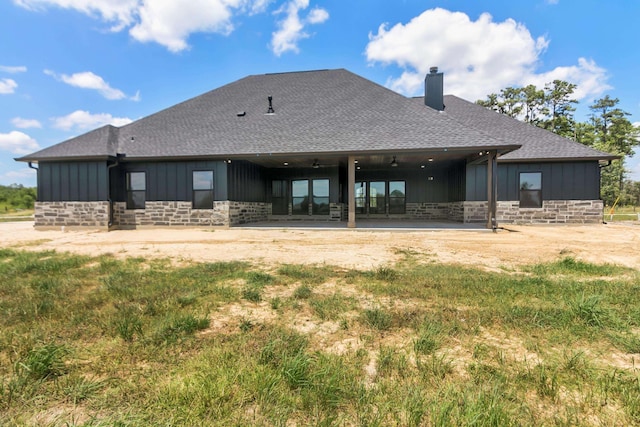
[133, 194]
[304, 199]
[280, 197]
[360, 200]
[363, 202]
[530, 198]
[393, 206]
[197, 199]
[320, 205]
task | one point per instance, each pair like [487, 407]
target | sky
[70, 66]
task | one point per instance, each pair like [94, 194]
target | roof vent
[270, 110]
[241, 113]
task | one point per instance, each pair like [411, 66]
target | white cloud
[21, 123]
[13, 70]
[7, 86]
[89, 80]
[291, 28]
[259, 6]
[317, 16]
[83, 120]
[590, 78]
[169, 22]
[478, 57]
[15, 176]
[166, 22]
[18, 142]
[120, 13]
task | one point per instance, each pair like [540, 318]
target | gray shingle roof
[98, 143]
[326, 111]
[537, 144]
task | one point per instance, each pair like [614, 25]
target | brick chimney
[433, 90]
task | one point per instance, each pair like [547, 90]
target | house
[323, 145]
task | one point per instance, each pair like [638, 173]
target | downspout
[35, 169]
[109, 167]
[602, 166]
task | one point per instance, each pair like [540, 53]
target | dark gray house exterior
[320, 145]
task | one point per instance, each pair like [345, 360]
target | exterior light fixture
[394, 164]
[315, 164]
[421, 166]
[286, 163]
[430, 159]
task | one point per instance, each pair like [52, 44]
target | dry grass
[101, 341]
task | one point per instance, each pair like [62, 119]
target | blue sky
[69, 66]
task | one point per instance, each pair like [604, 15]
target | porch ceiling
[366, 161]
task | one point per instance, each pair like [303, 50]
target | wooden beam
[351, 191]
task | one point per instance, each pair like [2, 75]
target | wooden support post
[351, 191]
[492, 189]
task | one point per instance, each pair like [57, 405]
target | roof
[537, 144]
[96, 144]
[328, 111]
[315, 112]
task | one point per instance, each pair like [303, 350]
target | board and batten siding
[170, 181]
[72, 181]
[246, 182]
[447, 184]
[560, 181]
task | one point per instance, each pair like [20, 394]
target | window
[382, 197]
[300, 197]
[396, 197]
[361, 197]
[377, 197]
[202, 189]
[320, 193]
[136, 190]
[280, 197]
[531, 189]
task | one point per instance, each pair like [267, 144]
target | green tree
[16, 196]
[608, 128]
[613, 133]
[631, 193]
[559, 107]
[533, 104]
[508, 102]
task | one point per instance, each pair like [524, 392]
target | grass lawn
[622, 213]
[10, 214]
[104, 342]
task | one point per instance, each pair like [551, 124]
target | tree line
[16, 196]
[607, 128]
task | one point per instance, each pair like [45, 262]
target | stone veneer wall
[335, 211]
[72, 214]
[170, 214]
[456, 211]
[428, 211]
[335, 214]
[246, 212]
[552, 212]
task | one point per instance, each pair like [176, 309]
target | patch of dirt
[357, 249]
